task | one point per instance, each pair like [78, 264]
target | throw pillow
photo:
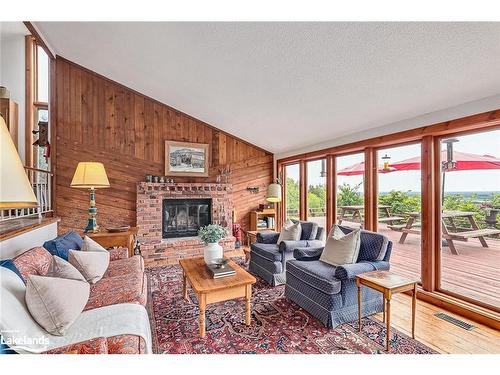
[62, 269]
[53, 310]
[62, 244]
[90, 245]
[341, 248]
[290, 232]
[91, 264]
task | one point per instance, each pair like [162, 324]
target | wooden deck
[474, 273]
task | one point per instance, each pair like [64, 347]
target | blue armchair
[268, 258]
[329, 293]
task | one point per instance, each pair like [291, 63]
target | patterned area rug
[278, 325]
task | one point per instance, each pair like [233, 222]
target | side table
[110, 239]
[388, 283]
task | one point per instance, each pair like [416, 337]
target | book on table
[224, 271]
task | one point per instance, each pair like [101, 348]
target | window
[292, 191]
[42, 75]
[438, 187]
[350, 190]
[316, 192]
[470, 194]
[399, 206]
[37, 97]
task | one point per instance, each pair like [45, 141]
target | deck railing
[41, 182]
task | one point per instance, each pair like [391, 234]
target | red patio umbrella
[359, 168]
[464, 161]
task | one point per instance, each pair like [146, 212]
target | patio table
[448, 217]
[357, 214]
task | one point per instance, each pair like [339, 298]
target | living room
[238, 187]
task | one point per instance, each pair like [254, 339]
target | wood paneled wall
[100, 120]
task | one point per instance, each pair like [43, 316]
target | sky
[486, 143]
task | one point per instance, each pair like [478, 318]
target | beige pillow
[290, 232]
[63, 269]
[341, 248]
[91, 264]
[90, 245]
[56, 303]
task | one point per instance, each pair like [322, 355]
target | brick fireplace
[153, 197]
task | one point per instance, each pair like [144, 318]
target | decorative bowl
[219, 262]
[118, 229]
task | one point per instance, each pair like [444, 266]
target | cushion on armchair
[374, 246]
[316, 274]
[309, 229]
[267, 251]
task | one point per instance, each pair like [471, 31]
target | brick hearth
[158, 251]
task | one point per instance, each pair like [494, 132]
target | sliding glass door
[470, 227]
[350, 190]
[292, 191]
[316, 192]
[399, 206]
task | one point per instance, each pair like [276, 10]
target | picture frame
[187, 159]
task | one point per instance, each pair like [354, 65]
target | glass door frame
[438, 226]
[424, 263]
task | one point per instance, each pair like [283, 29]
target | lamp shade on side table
[90, 175]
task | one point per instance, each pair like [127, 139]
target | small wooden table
[388, 283]
[209, 290]
[112, 239]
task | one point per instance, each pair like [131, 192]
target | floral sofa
[123, 282]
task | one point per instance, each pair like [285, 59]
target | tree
[348, 195]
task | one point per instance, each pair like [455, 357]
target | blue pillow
[9, 264]
[61, 245]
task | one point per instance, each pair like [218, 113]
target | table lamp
[15, 188]
[90, 175]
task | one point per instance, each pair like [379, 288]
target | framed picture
[187, 159]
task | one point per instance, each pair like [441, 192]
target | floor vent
[455, 321]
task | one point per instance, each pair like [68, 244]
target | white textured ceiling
[284, 86]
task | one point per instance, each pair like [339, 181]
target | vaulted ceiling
[283, 86]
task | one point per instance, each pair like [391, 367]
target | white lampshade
[273, 193]
[15, 188]
[90, 175]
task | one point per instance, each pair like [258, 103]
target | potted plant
[211, 234]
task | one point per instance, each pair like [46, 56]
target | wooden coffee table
[388, 283]
[209, 290]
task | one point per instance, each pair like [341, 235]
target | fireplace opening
[183, 217]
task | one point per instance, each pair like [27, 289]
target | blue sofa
[268, 258]
[329, 293]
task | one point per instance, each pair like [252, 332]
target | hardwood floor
[440, 335]
[436, 333]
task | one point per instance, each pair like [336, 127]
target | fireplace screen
[183, 217]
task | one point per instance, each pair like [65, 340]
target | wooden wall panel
[100, 120]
